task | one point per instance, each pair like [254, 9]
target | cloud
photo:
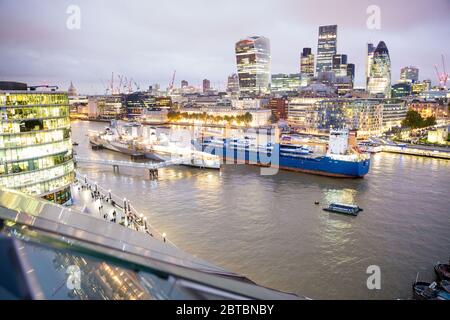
[147, 40]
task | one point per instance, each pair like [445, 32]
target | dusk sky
[148, 40]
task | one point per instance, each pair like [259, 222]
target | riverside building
[35, 144]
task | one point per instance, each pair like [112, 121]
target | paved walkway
[101, 206]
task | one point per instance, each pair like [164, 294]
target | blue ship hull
[321, 165]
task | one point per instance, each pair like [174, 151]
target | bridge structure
[152, 167]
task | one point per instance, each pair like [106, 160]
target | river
[270, 229]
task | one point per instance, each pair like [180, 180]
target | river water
[269, 229]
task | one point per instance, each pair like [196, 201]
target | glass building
[363, 115]
[307, 63]
[326, 48]
[379, 83]
[35, 143]
[233, 83]
[136, 102]
[409, 74]
[284, 83]
[340, 65]
[370, 51]
[401, 90]
[253, 65]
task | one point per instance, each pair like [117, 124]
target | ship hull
[318, 165]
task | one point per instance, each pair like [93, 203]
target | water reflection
[269, 228]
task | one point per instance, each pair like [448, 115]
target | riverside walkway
[417, 150]
[92, 199]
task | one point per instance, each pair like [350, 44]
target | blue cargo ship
[341, 159]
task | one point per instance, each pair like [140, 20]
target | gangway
[152, 167]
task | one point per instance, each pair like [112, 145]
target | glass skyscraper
[326, 48]
[370, 51]
[379, 82]
[307, 63]
[340, 65]
[35, 143]
[253, 64]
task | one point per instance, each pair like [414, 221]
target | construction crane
[442, 77]
[135, 84]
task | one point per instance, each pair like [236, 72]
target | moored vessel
[342, 158]
[128, 140]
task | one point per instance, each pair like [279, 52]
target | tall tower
[340, 65]
[307, 63]
[326, 48]
[253, 64]
[380, 72]
[370, 51]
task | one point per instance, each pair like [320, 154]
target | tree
[248, 118]
[430, 121]
[413, 120]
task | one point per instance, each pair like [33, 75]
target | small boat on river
[349, 209]
[429, 291]
[442, 271]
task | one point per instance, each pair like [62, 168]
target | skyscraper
[253, 64]
[340, 65]
[326, 48]
[307, 63]
[370, 51]
[409, 74]
[380, 72]
[351, 70]
[233, 83]
[206, 85]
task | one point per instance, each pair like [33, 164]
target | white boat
[156, 149]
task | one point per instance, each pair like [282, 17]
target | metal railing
[131, 164]
[133, 219]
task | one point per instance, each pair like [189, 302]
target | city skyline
[39, 48]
